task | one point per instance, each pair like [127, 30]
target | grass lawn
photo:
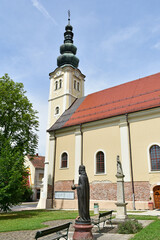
[151, 232]
[30, 220]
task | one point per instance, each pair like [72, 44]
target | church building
[92, 130]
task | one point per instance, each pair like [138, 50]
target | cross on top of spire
[69, 14]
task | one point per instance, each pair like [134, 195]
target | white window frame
[95, 154]
[149, 160]
[67, 160]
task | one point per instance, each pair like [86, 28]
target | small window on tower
[74, 84]
[57, 111]
[60, 83]
[78, 88]
[56, 85]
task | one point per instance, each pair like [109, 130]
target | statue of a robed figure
[83, 193]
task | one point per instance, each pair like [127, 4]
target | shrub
[129, 227]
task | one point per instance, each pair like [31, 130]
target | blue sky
[117, 41]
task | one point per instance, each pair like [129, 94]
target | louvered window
[100, 162]
[155, 158]
[64, 160]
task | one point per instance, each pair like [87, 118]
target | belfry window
[155, 158]
[60, 83]
[100, 164]
[78, 88]
[56, 85]
[57, 111]
[64, 160]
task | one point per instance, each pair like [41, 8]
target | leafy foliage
[129, 227]
[18, 126]
[18, 120]
[27, 196]
[13, 177]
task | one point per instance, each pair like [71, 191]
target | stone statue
[119, 167]
[83, 193]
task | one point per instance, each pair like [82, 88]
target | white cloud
[157, 45]
[120, 36]
[45, 13]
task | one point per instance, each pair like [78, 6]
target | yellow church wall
[65, 144]
[143, 135]
[106, 139]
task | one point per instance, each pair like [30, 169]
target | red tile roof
[37, 161]
[129, 97]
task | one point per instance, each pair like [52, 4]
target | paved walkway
[107, 233]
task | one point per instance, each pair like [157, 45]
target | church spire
[68, 50]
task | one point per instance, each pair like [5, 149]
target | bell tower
[66, 85]
[66, 81]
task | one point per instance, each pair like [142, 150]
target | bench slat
[103, 218]
[53, 230]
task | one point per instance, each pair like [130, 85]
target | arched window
[56, 85]
[100, 168]
[60, 83]
[64, 160]
[155, 158]
[57, 110]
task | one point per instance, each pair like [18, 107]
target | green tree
[18, 137]
[18, 120]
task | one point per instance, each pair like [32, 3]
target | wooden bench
[58, 232]
[102, 217]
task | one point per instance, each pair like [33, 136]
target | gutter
[54, 166]
[81, 144]
[130, 151]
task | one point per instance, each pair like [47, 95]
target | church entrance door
[156, 191]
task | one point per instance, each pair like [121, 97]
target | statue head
[82, 169]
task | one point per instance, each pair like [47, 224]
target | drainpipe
[81, 144]
[54, 162]
[130, 151]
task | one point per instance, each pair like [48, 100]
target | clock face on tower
[58, 73]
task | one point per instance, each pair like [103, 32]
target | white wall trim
[125, 149]
[65, 91]
[100, 150]
[148, 157]
[78, 153]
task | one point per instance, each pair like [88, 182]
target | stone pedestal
[121, 205]
[121, 211]
[83, 231]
